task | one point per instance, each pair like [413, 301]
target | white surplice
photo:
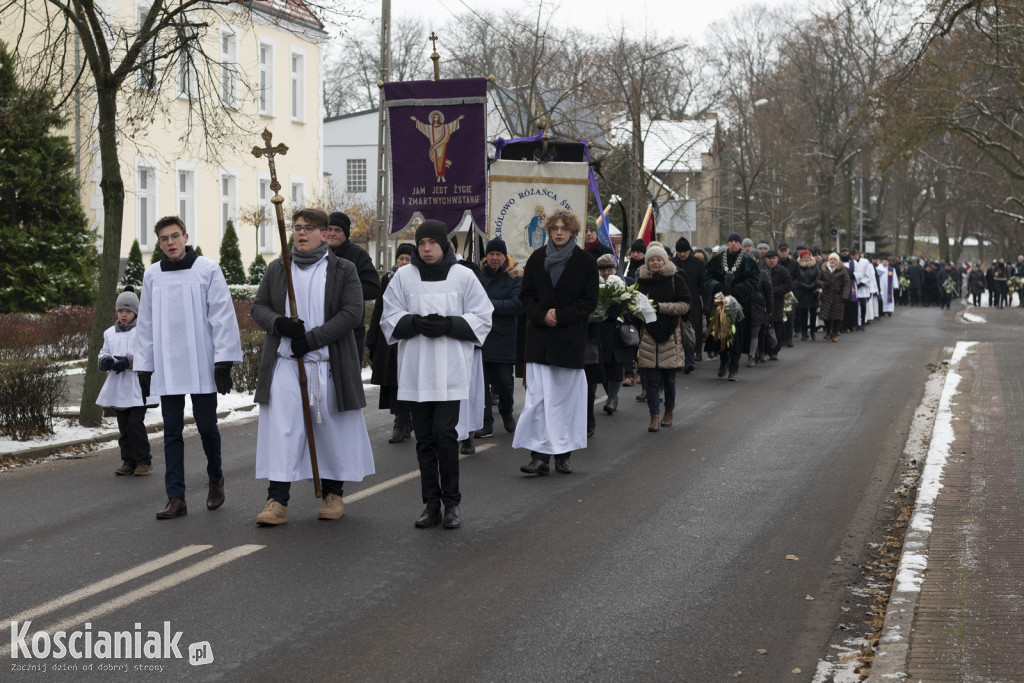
[471, 408]
[885, 276]
[342, 443]
[186, 324]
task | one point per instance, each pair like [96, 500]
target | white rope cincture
[315, 372]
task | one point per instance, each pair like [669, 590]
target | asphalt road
[662, 558]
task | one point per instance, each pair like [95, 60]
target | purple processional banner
[436, 139]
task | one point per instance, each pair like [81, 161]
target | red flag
[647, 232]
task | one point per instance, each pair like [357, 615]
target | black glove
[417, 323]
[120, 365]
[300, 347]
[106, 363]
[144, 380]
[285, 327]
[222, 376]
[434, 325]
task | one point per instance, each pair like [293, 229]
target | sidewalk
[957, 610]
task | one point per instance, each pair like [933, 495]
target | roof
[293, 10]
[350, 115]
[673, 146]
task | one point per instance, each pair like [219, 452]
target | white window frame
[187, 199]
[227, 190]
[265, 82]
[186, 81]
[229, 66]
[297, 199]
[146, 78]
[146, 201]
[349, 176]
[265, 232]
[298, 84]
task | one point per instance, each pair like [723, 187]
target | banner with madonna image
[436, 141]
[524, 193]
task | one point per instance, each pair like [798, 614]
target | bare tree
[130, 67]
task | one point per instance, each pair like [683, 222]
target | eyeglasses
[304, 229]
[170, 238]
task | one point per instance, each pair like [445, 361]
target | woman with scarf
[835, 283]
[661, 345]
[384, 357]
[559, 292]
[806, 286]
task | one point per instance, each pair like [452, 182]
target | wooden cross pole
[270, 152]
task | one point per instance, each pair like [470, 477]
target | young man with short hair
[186, 341]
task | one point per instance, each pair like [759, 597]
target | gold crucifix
[270, 152]
[435, 56]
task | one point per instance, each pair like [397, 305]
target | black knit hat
[638, 245]
[406, 248]
[497, 244]
[734, 237]
[342, 221]
[683, 244]
[435, 230]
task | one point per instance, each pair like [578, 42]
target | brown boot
[667, 420]
[274, 513]
[655, 423]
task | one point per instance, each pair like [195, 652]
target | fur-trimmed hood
[668, 270]
[513, 269]
[806, 262]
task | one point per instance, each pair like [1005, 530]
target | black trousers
[730, 359]
[497, 376]
[279, 490]
[437, 450]
[134, 441]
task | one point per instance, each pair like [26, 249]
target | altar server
[437, 314]
[329, 298]
[559, 292]
[186, 341]
[888, 285]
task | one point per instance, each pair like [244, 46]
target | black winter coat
[574, 299]
[692, 270]
[807, 284]
[502, 288]
[368, 277]
[782, 284]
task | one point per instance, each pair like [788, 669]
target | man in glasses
[186, 341]
[337, 234]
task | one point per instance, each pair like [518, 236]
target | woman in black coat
[559, 292]
[835, 283]
[806, 287]
[614, 354]
[384, 357]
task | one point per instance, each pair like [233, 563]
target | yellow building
[188, 123]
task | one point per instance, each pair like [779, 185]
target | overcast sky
[685, 19]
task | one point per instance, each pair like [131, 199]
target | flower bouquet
[788, 302]
[1012, 285]
[724, 316]
[904, 283]
[949, 287]
[614, 294]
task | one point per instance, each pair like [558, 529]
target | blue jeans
[204, 409]
[499, 376]
[654, 380]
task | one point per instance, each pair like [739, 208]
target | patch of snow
[971, 318]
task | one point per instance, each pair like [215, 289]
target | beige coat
[669, 354]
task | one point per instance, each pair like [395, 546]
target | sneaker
[274, 513]
[482, 433]
[143, 470]
[509, 423]
[124, 470]
[333, 507]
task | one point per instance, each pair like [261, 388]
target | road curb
[50, 449]
[890, 662]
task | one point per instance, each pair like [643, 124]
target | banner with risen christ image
[437, 151]
[525, 193]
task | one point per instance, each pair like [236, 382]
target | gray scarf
[306, 260]
[555, 259]
[118, 327]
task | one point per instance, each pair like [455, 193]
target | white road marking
[105, 584]
[178, 577]
[401, 479]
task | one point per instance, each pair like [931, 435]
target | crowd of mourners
[449, 336]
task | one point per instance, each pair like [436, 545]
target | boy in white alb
[436, 314]
[121, 389]
[185, 343]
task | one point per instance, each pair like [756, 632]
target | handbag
[689, 336]
[770, 339]
[628, 334]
